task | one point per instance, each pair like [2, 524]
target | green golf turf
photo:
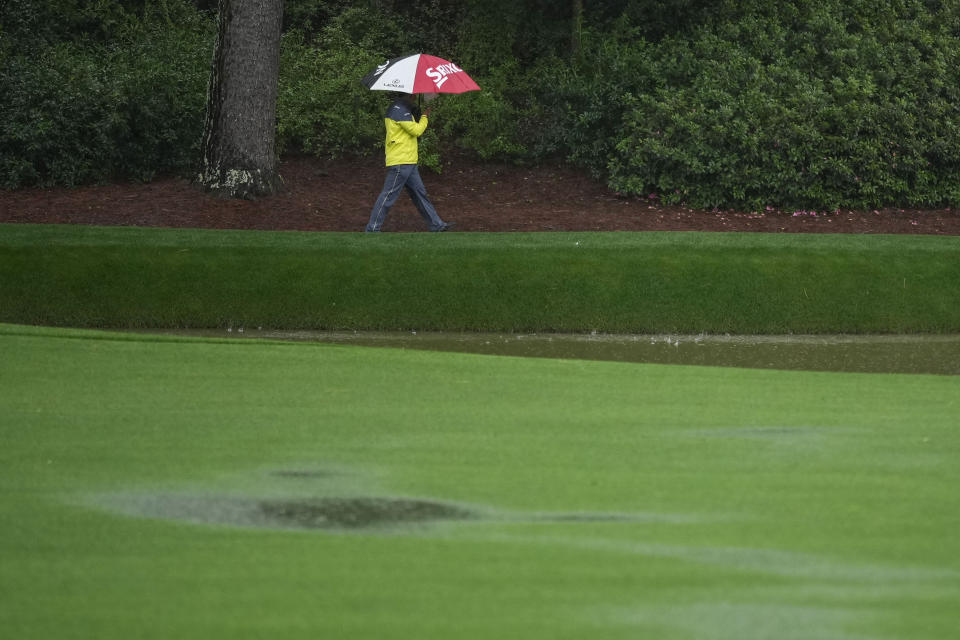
[576, 282]
[610, 500]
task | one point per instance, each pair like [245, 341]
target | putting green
[605, 499]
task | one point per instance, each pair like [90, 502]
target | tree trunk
[576, 25]
[239, 133]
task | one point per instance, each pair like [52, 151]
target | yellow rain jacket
[402, 133]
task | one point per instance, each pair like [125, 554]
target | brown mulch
[326, 196]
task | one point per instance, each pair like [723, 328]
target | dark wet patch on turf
[357, 513]
[332, 514]
[343, 514]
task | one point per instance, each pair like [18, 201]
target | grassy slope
[653, 282]
[773, 504]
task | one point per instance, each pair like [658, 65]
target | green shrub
[814, 104]
[486, 121]
[163, 78]
[826, 111]
[56, 118]
[321, 109]
[581, 101]
[74, 113]
[33, 25]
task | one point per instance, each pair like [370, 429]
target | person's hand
[426, 112]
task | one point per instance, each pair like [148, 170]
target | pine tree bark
[239, 135]
[576, 9]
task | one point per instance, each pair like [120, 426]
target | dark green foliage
[320, 109]
[812, 105]
[34, 24]
[819, 108]
[164, 80]
[805, 104]
[79, 110]
[55, 119]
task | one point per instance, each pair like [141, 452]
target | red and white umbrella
[419, 73]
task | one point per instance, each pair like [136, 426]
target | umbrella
[419, 73]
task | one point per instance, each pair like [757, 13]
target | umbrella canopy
[419, 73]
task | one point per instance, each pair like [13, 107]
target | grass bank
[575, 282]
[614, 500]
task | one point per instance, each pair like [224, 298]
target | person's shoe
[447, 226]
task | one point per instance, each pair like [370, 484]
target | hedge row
[808, 104]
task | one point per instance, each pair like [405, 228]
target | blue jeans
[403, 176]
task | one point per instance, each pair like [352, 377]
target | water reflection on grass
[935, 354]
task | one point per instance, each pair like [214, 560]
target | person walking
[404, 125]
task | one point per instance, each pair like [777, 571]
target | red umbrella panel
[419, 73]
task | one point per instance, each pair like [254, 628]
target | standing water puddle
[936, 354]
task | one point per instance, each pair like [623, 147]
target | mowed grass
[576, 282]
[749, 504]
